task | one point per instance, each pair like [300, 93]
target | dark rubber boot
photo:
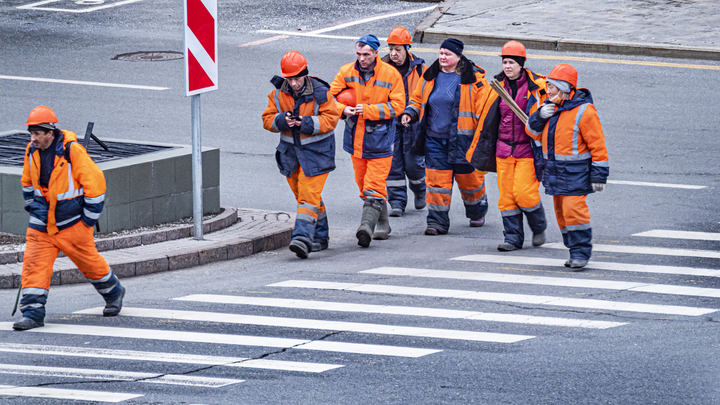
[112, 308]
[370, 216]
[383, 229]
[27, 323]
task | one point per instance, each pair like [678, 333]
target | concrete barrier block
[183, 174]
[118, 186]
[141, 181]
[163, 209]
[211, 200]
[183, 205]
[118, 218]
[141, 213]
[163, 173]
[211, 168]
[15, 222]
[11, 196]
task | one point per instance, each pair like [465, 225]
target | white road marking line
[398, 310]
[315, 324]
[216, 338]
[370, 19]
[647, 250]
[114, 375]
[550, 281]
[661, 233]
[312, 34]
[35, 6]
[264, 41]
[502, 297]
[84, 83]
[639, 268]
[666, 185]
[75, 395]
[167, 357]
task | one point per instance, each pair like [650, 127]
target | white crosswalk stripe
[61, 393]
[399, 310]
[501, 297]
[167, 357]
[200, 337]
[315, 324]
[661, 233]
[549, 281]
[114, 375]
[639, 268]
[648, 250]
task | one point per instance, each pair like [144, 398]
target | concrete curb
[426, 33]
[254, 232]
[226, 218]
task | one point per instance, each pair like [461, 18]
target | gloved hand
[546, 111]
[598, 187]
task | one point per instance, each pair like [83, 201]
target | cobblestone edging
[255, 231]
[226, 218]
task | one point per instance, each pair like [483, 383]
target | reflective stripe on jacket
[312, 145]
[372, 134]
[573, 146]
[76, 190]
[410, 80]
[483, 150]
[470, 98]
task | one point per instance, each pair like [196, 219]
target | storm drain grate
[149, 56]
[12, 149]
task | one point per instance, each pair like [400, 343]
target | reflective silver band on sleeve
[95, 200]
[285, 138]
[531, 130]
[576, 128]
[92, 215]
[570, 158]
[274, 125]
[28, 189]
[37, 192]
[316, 125]
[316, 138]
[601, 163]
[36, 221]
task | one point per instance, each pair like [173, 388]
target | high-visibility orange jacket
[482, 152]
[573, 146]
[371, 135]
[470, 97]
[76, 190]
[312, 144]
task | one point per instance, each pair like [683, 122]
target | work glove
[547, 111]
[598, 187]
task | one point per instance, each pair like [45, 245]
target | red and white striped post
[201, 76]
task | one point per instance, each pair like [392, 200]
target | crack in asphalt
[262, 356]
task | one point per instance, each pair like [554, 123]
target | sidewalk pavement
[663, 28]
[235, 233]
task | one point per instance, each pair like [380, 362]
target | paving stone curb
[255, 231]
[226, 218]
[425, 32]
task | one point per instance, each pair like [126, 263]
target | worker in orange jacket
[64, 193]
[503, 146]
[575, 157]
[370, 118]
[405, 161]
[302, 111]
[448, 102]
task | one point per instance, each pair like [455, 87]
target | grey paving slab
[667, 28]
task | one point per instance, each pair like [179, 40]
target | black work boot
[370, 216]
[383, 225]
[300, 248]
[113, 307]
[27, 323]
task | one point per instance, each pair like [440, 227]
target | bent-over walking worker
[64, 193]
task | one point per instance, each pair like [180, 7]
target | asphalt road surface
[411, 320]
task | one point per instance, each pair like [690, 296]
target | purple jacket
[512, 129]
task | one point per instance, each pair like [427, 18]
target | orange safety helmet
[399, 36]
[565, 73]
[347, 97]
[513, 48]
[292, 64]
[41, 115]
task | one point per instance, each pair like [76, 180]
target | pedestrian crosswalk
[314, 310]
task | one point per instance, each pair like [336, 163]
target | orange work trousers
[571, 212]
[371, 176]
[308, 191]
[42, 249]
[517, 183]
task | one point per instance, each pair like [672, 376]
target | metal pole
[197, 168]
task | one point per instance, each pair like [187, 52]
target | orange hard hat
[292, 64]
[347, 97]
[565, 73]
[41, 115]
[399, 36]
[513, 48]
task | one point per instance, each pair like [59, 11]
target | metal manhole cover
[149, 56]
